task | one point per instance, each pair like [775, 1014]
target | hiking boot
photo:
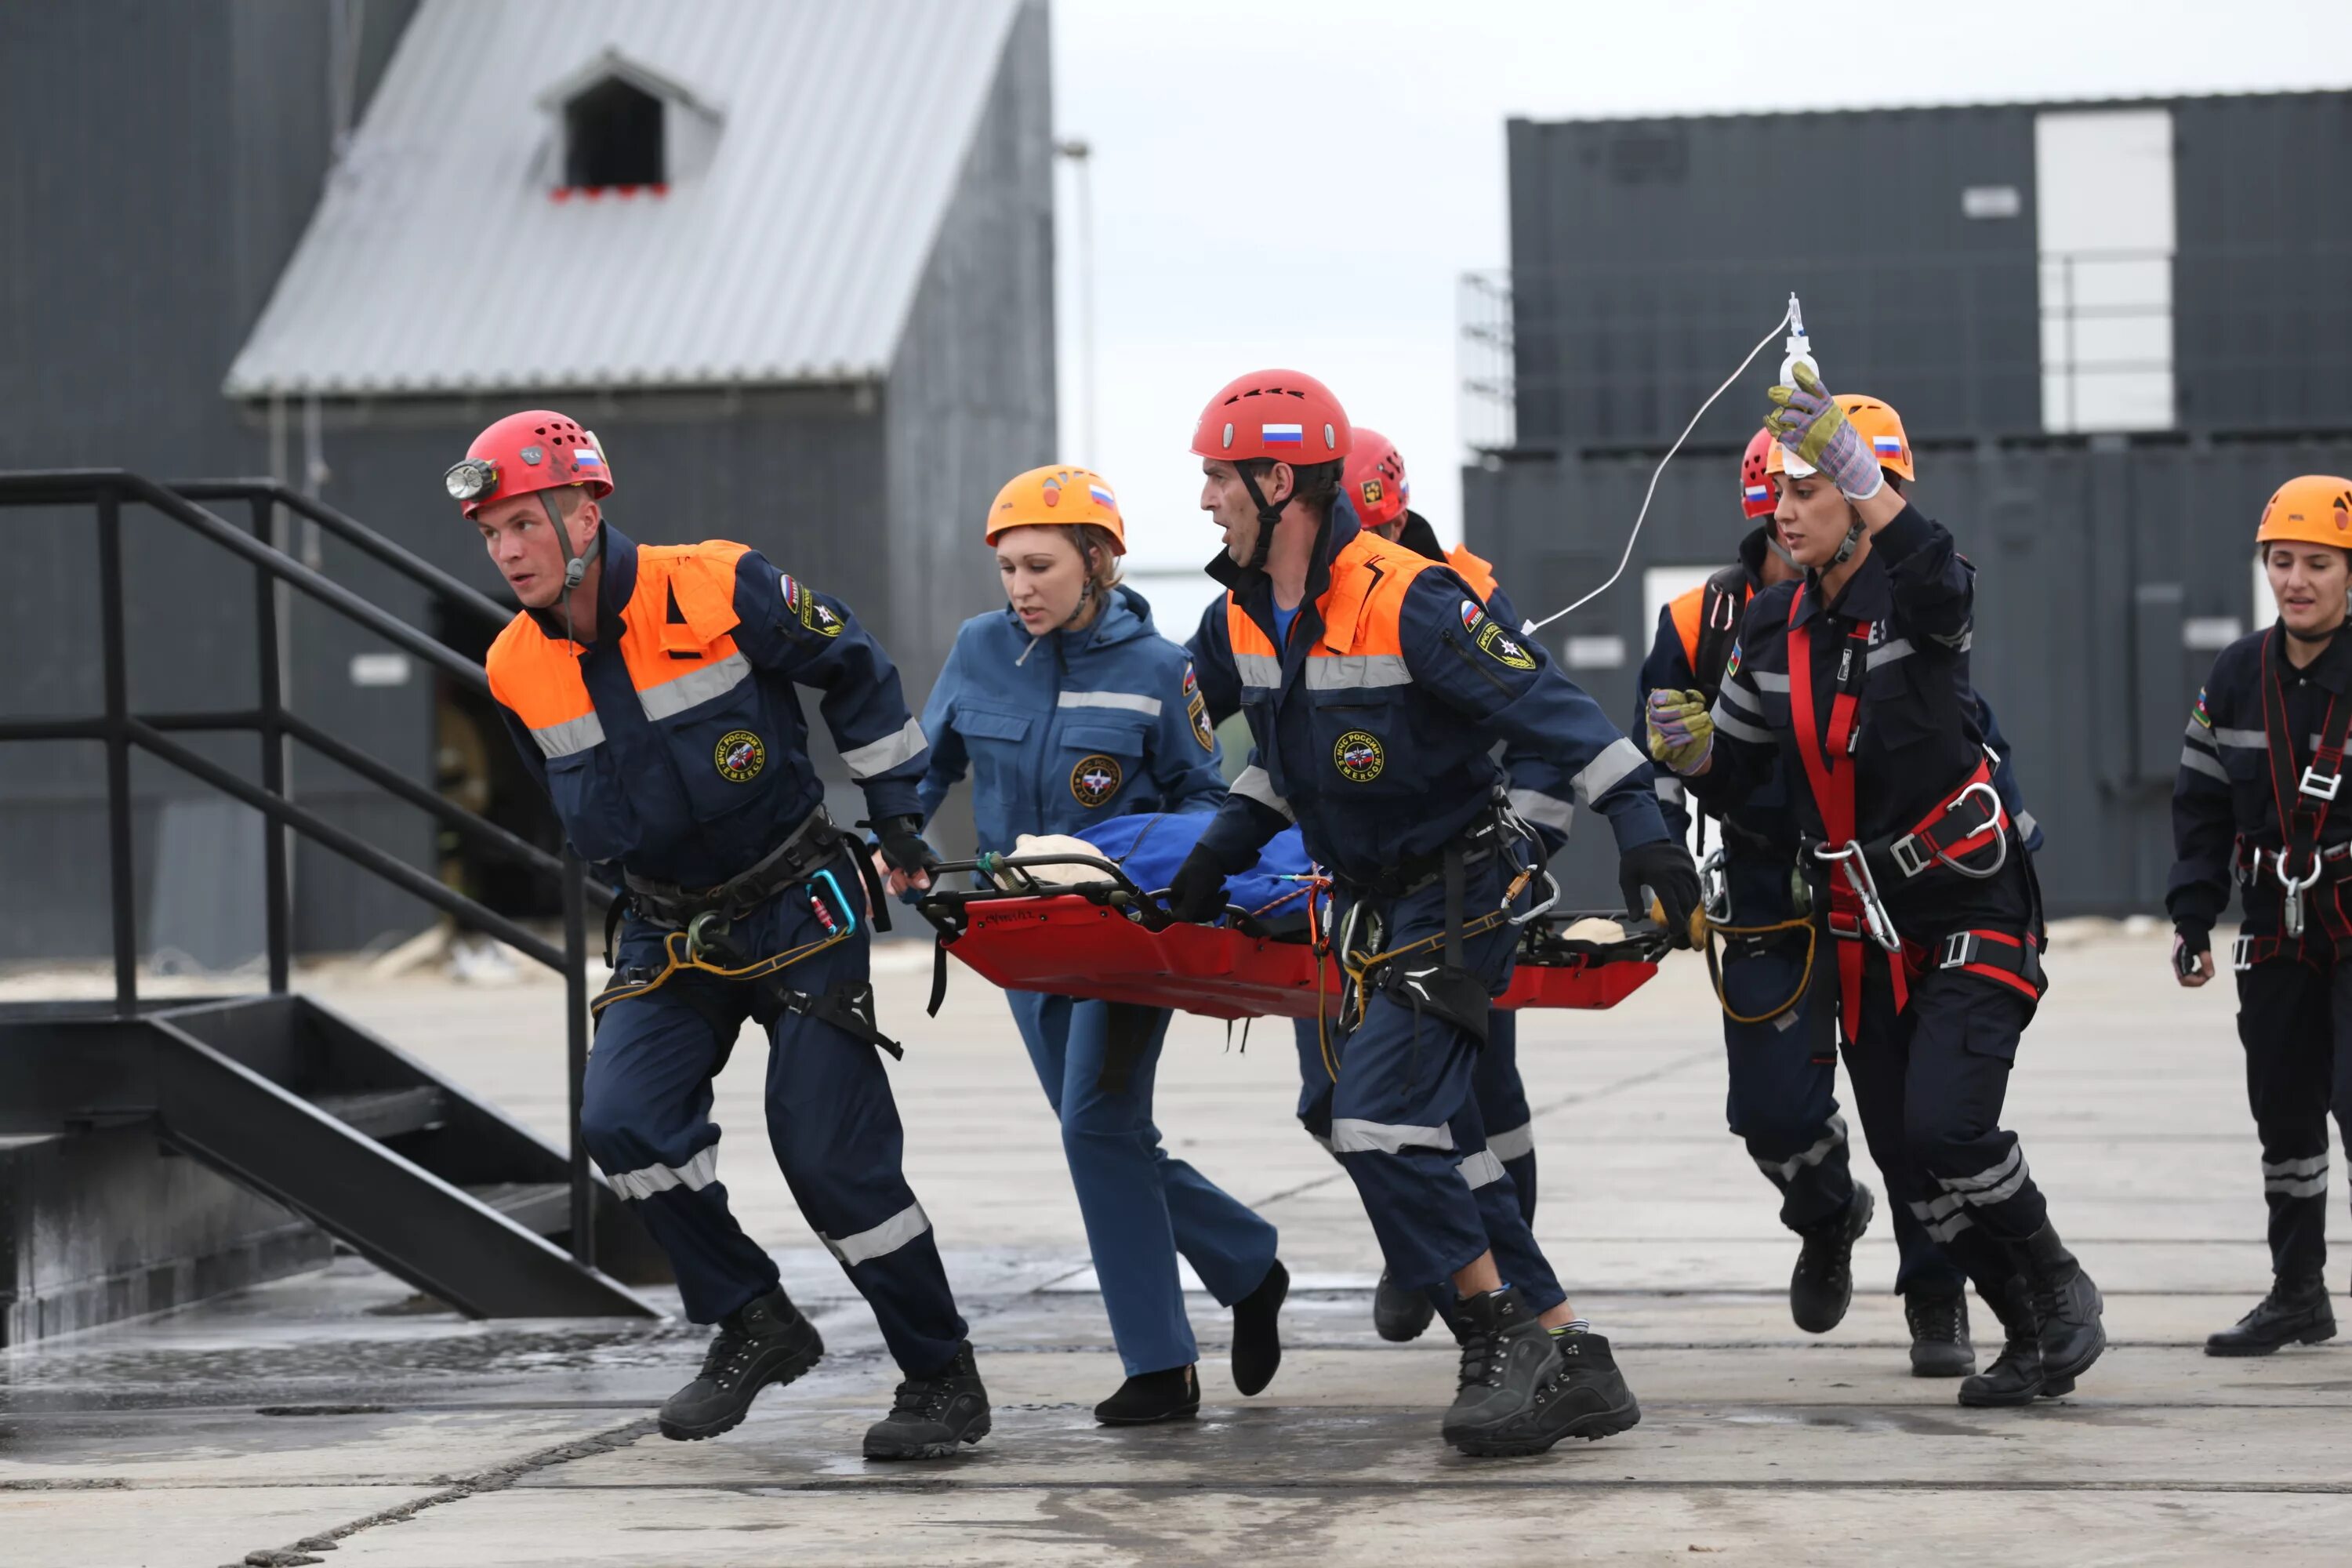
[1940, 1346]
[1508, 1362]
[2296, 1311]
[1588, 1399]
[1257, 1332]
[1150, 1396]
[932, 1414]
[1398, 1314]
[762, 1342]
[1823, 1286]
[2067, 1303]
[2016, 1375]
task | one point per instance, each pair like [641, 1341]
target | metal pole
[1080, 156]
[576, 1027]
[274, 889]
[122, 886]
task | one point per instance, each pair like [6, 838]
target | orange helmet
[1880, 427]
[1374, 480]
[1057, 496]
[537, 449]
[2315, 509]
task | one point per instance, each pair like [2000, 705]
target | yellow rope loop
[676, 958]
[1804, 978]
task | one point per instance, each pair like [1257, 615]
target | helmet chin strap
[1853, 542]
[575, 561]
[1267, 517]
[1772, 543]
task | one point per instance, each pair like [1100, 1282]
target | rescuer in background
[651, 688]
[2256, 804]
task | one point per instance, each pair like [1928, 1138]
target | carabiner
[1999, 824]
[2291, 912]
[1857, 867]
[1535, 909]
[1715, 887]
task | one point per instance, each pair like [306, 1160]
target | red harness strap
[2301, 802]
[1829, 772]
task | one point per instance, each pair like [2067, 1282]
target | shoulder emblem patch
[1731, 665]
[819, 616]
[1359, 756]
[739, 756]
[2199, 713]
[1094, 780]
[1196, 709]
[1503, 649]
[1471, 615]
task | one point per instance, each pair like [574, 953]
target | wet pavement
[337, 1417]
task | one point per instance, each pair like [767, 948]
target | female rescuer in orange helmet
[2256, 804]
[1070, 708]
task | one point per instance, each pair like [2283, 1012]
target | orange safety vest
[1361, 609]
[1471, 570]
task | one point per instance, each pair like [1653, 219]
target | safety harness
[2301, 864]
[1969, 818]
[699, 925]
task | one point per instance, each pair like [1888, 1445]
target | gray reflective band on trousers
[2305, 1178]
[1997, 1185]
[571, 737]
[1786, 1170]
[1513, 1142]
[694, 1175]
[696, 687]
[1255, 783]
[1943, 1217]
[880, 756]
[882, 1241]
[1607, 770]
[1544, 810]
[1351, 1136]
[1481, 1169]
[1131, 701]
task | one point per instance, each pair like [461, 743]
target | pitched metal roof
[443, 260]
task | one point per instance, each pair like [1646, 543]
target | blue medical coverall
[1074, 729]
[688, 765]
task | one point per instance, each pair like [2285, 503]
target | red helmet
[1374, 479]
[537, 449]
[1274, 413]
[1758, 492]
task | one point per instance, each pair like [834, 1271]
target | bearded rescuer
[1375, 686]
[1855, 681]
[2256, 804]
[651, 689]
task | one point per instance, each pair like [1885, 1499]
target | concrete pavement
[337, 1410]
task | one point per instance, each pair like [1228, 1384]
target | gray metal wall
[162, 162]
[2090, 554]
[1648, 255]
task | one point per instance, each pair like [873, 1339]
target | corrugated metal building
[790, 259]
[2111, 329]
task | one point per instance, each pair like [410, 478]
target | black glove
[1664, 868]
[2192, 939]
[902, 846]
[1198, 893]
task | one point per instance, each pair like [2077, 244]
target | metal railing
[108, 490]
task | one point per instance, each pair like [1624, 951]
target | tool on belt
[2299, 864]
[1969, 820]
[700, 935]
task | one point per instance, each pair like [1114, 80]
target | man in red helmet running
[651, 689]
[1377, 686]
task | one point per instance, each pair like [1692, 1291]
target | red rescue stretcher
[1110, 940]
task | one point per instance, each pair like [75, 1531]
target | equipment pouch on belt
[847, 1006]
[1448, 993]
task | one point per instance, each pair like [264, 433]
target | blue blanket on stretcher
[1150, 847]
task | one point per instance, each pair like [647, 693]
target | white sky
[1301, 182]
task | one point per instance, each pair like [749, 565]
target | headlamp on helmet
[471, 479]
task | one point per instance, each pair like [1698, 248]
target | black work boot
[1507, 1363]
[1588, 1399]
[1258, 1332]
[2015, 1378]
[932, 1414]
[2068, 1304]
[1940, 1346]
[2296, 1311]
[764, 1342]
[1150, 1396]
[1398, 1314]
[1823, 1286]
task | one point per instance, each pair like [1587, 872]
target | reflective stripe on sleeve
[1513, 1142]
[1352, 1135]
[2198, 761]
[1888, 652]
[882, 1241]
[1669, 790]
[1132, 701]
[1607, 770]
[1739, 729]
[1479, 1170]
[1767, 679]
[1544, 810]
[571, 737]
[697, 686]
[880, 756]
[2244, 740]
[1255, 784]
[644, 1183]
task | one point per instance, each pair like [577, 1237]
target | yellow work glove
[1680, 733]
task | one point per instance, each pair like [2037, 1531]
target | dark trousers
[832, 1123]
[2294, 1020]
[1928, 1083]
